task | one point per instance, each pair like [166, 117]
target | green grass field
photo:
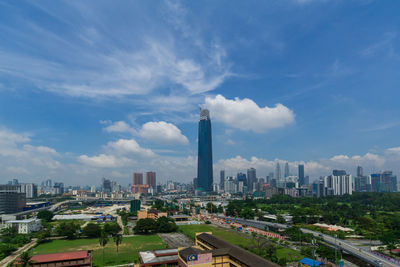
[128, 250]
[236, 239]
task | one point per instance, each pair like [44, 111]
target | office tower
[30, 190]
[15, 181]
[48, 183]
[106, 185]
[221, 179]
[388, 182]
[59, 188]
[230, 185]
[93, 189]
[301, 175]
[251, 179]
[278, 171]
[307, 180]
[11, 199]
[204, 159]
[137, 178]
[360, 171]
[151, 179]
[287, 169]
[241, 177]
[339, 172]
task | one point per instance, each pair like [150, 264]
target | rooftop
[222, 247]
[65, 256]
[161, 256]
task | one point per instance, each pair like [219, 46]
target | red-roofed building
[70, 259]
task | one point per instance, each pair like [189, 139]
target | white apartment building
[25, 226]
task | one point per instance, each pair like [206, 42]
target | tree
[259, 241]
[117, 240]
[68, 230]
[145, 226]
[165, 225]
[24, 259]
[92, 230]
[112, 228]
[45, 215]
[270, 251]
[280, 219]
[103, 240]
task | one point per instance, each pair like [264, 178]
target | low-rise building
[152, 214]
[70, 259]
[25, 226]
[211, 251]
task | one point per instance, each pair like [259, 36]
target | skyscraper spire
[287, 173]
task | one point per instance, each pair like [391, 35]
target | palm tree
[25, 259]
[117, 240]
[103, 240]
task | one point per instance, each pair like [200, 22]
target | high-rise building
[30, 190]
[251, 179]
[241, 177]
[278, 171]
[287, 172]
[360, 171]
[151, 179]
[204, 159]
[338, 184]
[137, 178]
[59, 188]
[388, 182]
[106, 185]
[11, 199]
[301, 175]
[221, 179]
[339, 172]
[376, 182]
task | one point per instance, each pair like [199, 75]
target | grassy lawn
[236, 239]
[128, 250]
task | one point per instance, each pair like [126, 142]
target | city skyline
[81, 99]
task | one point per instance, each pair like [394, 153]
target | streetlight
[335, 249]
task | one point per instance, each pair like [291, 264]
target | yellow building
[211, 251]
[152, 214]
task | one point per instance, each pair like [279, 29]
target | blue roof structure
[311, 262]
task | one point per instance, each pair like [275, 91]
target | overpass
[358, 252]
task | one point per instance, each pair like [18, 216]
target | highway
[358, 252]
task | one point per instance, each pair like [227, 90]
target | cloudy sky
[107, 88]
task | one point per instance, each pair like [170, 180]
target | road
[343, 245]
[16, 253]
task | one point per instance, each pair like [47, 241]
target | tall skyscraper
[251, 178]
[204, 159]
[287, 169]
[151, 179]
[278, 171]
[301, 175]
[221, 179]
[137, 178]
[360, 171]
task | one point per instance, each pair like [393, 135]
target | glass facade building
[204, 160]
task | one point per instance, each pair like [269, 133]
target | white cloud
[159, 132]
[119, 127]
[105, 161]
[163, 133]
[246, 115]
[129, 146]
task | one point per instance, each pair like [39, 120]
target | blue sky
[99, 88]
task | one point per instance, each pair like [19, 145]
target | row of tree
[150, 226]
